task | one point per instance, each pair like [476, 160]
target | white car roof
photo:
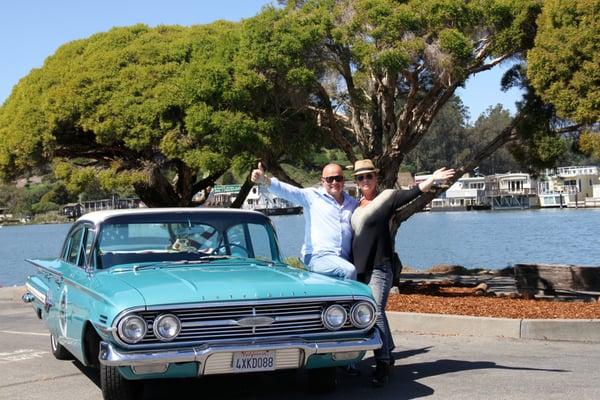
[100, 216]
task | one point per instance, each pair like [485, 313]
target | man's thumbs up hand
[258, 175]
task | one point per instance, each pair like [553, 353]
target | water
[27, 241]
[493, 239]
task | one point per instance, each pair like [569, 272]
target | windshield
[184, 240]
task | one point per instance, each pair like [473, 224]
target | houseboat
[569, 187]
[511, 191]
[258, 199]
[468, 193]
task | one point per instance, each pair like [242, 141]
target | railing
[508, 192]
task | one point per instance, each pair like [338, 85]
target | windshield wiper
[216, 257]
[201, 260]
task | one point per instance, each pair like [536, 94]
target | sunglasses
[368, 177]
[330, 179]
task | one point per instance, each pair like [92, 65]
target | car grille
[220, 322]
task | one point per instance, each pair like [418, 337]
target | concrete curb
[573, 330]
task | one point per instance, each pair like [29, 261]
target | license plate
[251, 361]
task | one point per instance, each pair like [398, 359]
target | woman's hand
[439, 176]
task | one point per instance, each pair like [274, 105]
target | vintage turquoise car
[174, 293]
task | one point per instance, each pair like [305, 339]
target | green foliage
[170, 96]
[447, 143]
[9, 196]
[589, 143]
[485, 129]
[142, 106]
[51, 217]
[91, 183]
[564, 65]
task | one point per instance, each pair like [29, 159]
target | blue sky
[31, 30]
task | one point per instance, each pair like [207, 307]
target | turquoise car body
[83, 296]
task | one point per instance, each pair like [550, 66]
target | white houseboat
[569, 187]
[511, 191]
[468, 193]
[258, 199]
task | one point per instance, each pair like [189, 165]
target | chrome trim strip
[66, 280]
[107, 330]
[304, 317]
[198, 324]
[52, 271]
[283, 300]
[110, 355]
[36, 293]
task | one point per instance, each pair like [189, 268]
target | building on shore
[467, 193]
[573, 186]
[570, 187]
[258, 199]
[76, 210]
[511, 191]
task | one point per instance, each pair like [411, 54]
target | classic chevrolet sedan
[175, 293]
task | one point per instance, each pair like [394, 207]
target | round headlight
[132, 329]
[334, 317]
[362, 314]
[166, 327]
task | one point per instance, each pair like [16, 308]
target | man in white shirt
[327, 212]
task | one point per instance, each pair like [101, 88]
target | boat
[261, 200]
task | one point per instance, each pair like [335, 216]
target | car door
[57, 289]
[75, 297]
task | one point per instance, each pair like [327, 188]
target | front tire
[322, 380]
[58, 350]
[115, 387]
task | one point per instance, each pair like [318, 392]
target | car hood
[220, 281]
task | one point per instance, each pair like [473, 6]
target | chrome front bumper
[112, 356]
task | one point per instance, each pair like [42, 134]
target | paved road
[435, 367]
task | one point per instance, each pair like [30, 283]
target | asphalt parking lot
[428, 366]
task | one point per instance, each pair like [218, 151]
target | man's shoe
[351, 370]
[381, 376]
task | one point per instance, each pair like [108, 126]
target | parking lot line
[25, 333]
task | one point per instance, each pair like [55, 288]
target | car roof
[100, 216]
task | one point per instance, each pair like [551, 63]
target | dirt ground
[466, 300]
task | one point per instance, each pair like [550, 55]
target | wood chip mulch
[463, 301]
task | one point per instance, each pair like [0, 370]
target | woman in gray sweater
[372, 246]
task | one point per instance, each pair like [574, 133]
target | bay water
[474, 239]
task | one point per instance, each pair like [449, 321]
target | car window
[249, 240]
[73, 246]
[182, 236]
[185, 239]
[87, 246]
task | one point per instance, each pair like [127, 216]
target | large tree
[564, 65]
[167, 110]
[383, 69]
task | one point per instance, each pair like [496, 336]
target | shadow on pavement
[293, 384]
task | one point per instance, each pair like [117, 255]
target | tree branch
[208, 181]
[335, 132]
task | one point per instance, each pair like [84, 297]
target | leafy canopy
[146, 105]
[564, 65]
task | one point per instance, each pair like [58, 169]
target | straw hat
[364, 167]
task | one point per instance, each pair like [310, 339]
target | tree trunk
[243, 193]
[156, 191]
